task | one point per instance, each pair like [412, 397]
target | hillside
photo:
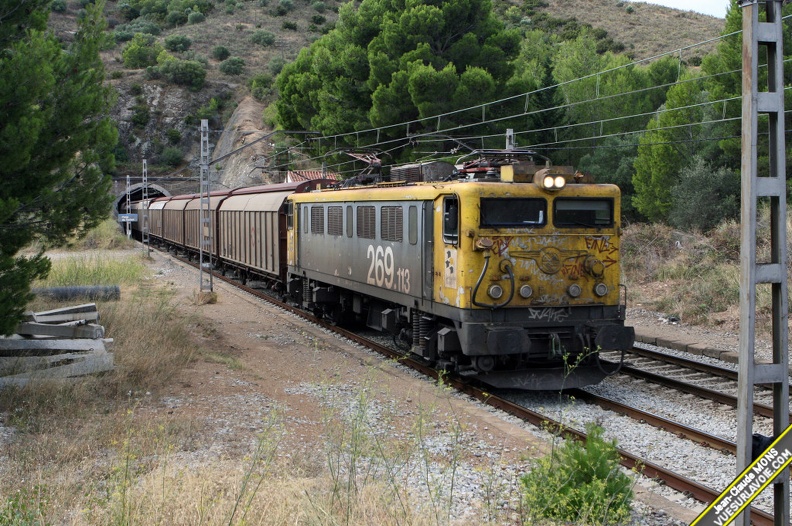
[159, 121]
[646, 30]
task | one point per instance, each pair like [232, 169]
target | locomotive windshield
[511, 212]
[593, 213]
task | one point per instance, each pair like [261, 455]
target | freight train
[498, 269]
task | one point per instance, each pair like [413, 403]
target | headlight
[600, 289]
[495, 292]
[574, 290]
[526, 291]
[559, 182]
[548, 182]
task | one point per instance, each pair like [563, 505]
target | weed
[24, 507]
[587, 484]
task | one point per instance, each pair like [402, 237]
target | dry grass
[693, 276]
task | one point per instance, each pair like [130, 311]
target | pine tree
[56, 142]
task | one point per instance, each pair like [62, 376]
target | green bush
[220, 53]
[126, 32]
[172, 156]
[141, 52]
[232, 66]
[184, 72]
[58, 6]
[260, 86]
[195, 17]
[263, 38]
[579, 484]
[318, 19]
[177, 43]
[128, 12]
[176, 18]
[704, 196]
[319, 6]
[276, 65]
[173, 135]
[289, 25]
[140, 115]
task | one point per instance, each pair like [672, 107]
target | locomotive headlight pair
[553, 182]
[574, 290]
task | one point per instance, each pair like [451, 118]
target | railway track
[646, 467]
[707, 381]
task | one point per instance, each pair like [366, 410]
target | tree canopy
[391, 61]
[56, 142]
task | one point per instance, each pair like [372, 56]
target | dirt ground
[279, 361]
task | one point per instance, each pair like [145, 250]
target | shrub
[319, 6]
[288, 5]
[220, 53]
[276, 65]
[128, 12]
[263, 38]
[173, 135]
[192, 55]
[136, 89]
[172, 156]
[196, 17]
[140, 26]
[140, 115]
[176, 18]
[290, 25]
[58, 6]
[318, 19]
[141, 52]
[260, 86]
[232, 66]
[184, 72]
[704, 196]
[177, 43]
[579, 483]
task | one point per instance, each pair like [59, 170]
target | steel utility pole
[768, 188]
[205, 214]
[128, 210]
[144, 219]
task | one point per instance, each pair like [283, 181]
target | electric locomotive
[506, 271]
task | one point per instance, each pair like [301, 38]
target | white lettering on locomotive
[383, 271]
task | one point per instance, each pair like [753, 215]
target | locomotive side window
[592, 213]
[392, 221]
[412, 225]
[451, 219]
[317, 220]
[349, 218]
[366, 222]
[304, 218]
[335, 220]
[512, 212]
[289, 215]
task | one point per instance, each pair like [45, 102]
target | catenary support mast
[766, 184]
